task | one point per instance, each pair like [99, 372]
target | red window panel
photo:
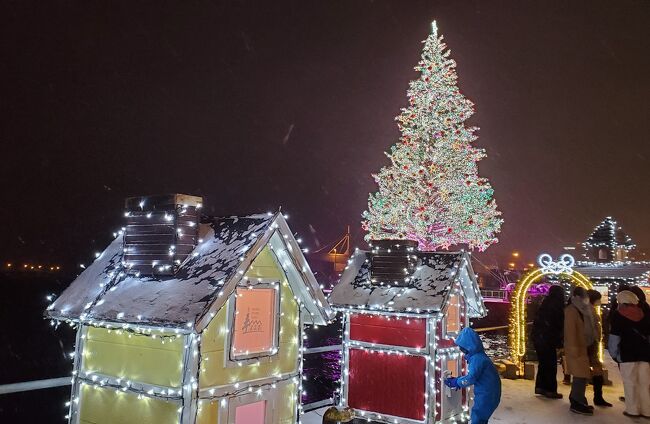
[387, 384]
[407, 332]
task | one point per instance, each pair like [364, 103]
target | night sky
[256, 105]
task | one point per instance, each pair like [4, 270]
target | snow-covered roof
[425, 292]
[227, 246]
[637, 271]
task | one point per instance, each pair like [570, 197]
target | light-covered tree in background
[431, 192]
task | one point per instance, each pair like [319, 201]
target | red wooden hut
[402, 310]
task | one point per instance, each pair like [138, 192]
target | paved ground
[520, 406]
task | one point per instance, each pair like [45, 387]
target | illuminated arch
[517, 339]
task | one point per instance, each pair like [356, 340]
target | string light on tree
[431, 191]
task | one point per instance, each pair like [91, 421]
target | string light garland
[431, 191]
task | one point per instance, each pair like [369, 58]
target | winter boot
[579, 408]
[597, 381]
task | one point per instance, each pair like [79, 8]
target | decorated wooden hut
[607, 261]
[191, 319]
[402, 310]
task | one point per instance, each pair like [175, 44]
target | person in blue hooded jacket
[481, 374]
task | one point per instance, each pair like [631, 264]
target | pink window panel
[251, 413]
[453, 314]
[255, 321]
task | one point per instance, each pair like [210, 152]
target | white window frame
[237, 360]
[269, 394]
[444, 399]
[445, 322]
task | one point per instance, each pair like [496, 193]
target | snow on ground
[519, 405]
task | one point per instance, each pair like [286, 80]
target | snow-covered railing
[318, 404]
[322, 349]
[27, 386]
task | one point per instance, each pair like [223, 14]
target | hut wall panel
[107, 406]
[138, 358]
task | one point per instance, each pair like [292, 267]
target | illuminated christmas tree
[431, 192]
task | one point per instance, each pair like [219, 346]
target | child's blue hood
[469, 340]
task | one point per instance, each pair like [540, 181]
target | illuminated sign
[564, 265]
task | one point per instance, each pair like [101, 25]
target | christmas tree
[431, 191]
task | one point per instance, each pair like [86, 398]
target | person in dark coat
[547, 338]
[481, 374]
[629, 345]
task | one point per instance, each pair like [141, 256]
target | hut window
[251, 413]
[602, 254]
[452, 367]
[255, 327]
[453, 314]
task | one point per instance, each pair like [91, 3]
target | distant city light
[35, 267]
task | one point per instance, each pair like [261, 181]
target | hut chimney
[392, 262]
[160, 232]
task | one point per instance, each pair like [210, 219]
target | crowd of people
[574, 331]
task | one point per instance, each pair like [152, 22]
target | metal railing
[494, 294]
[50, 383]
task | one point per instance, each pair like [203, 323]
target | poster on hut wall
[254, 328]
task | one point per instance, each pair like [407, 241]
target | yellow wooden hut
[191, 319]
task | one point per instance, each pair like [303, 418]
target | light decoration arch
[547, 266]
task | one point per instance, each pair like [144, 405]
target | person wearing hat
[643, 304]
[629, 345]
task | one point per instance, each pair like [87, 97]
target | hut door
[452, 400]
